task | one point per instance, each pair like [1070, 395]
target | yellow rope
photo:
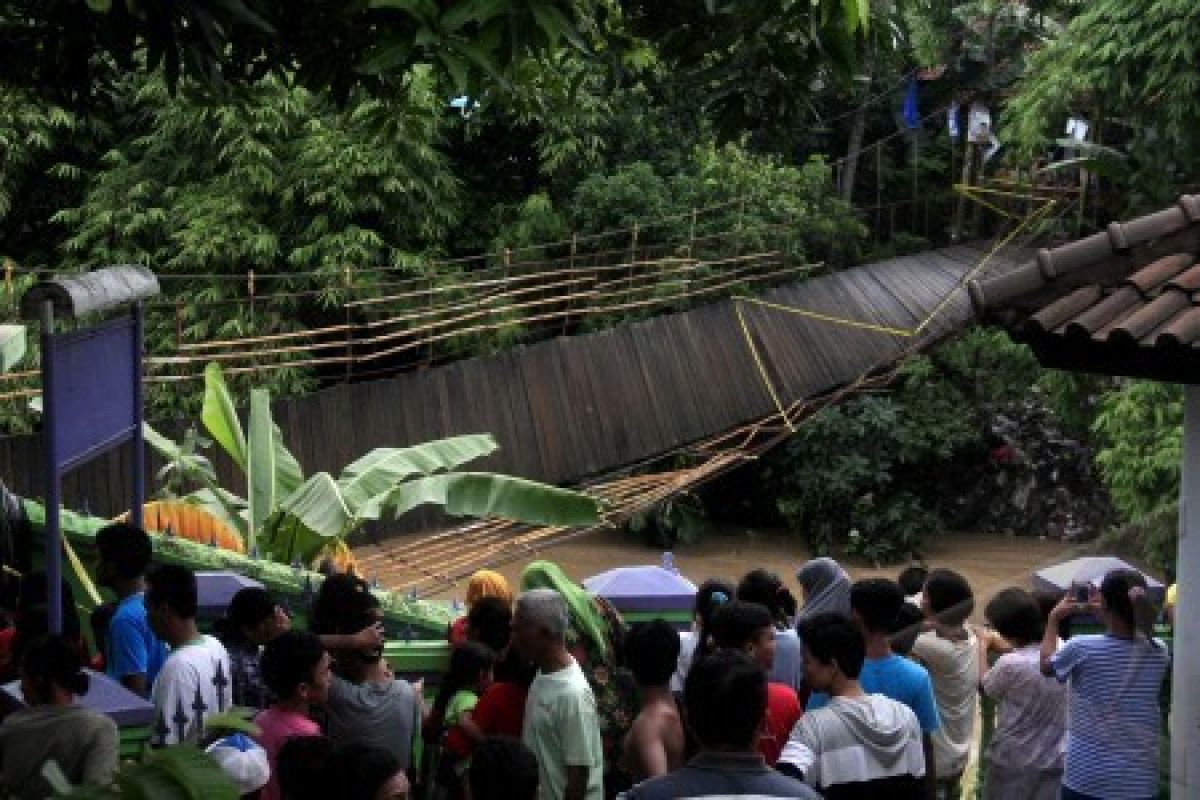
[762, 370]
[780, 409]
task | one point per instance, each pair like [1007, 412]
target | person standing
[561, 726]
[1113, 682]
[725, 698]
[134, 655]
[766, 589]
[748, 627]
[859, 746]
[656, 743]
[711, 595]
[194, 683]
[950, 652]
[296, 669]
[876, 604]
[1025, 758]
[54, 727]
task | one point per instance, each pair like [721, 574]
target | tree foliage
[72, 47]
[1133, 63]
[864, 475]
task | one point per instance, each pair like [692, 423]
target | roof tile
[1156, 273]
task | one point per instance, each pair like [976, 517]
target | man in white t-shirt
[194, 683]
[561, 726]
[950, 652]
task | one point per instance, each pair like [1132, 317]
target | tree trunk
[852, 151]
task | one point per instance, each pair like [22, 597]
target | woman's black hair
[1015, 615]
[490, 621]
[55, 660]
[466, 662]
[766, 589]
[302, 768]
[248, 609]
[711, 595]
[1124, 593]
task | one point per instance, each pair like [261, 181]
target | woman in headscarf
[825, 586]
[484, 583]
[595, 637]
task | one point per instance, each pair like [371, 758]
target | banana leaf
[180, 455]
[181, 772]
[485, 494]
[307, 520]
[12, 346]
[260, 463]
[380, 470]
[220, 416]
[225, 506]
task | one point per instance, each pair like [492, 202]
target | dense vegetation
[316, 148]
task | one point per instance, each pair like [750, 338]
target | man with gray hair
[561, 726]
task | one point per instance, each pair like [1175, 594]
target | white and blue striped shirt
[1113, 714]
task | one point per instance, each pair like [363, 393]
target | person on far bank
[195, 682]
[876, 604]
[766, 589]
[54, 727]
[655, 745]
[725, 701]
[1113, 683]
[860, 746]
[133, 654]
[950, 652]
[1025, 758]
[561, 725]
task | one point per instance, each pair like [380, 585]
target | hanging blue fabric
[912, 116]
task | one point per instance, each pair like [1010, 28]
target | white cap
[243, 761]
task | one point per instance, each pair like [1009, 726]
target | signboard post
[91, 390]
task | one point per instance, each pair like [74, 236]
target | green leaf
[12, 346]
[555, 25]
[220, 417]
[100, 6]
[482, 494]
[223, 505]
[381, 469]
[386, 57]
[307, 520]
[239, 720]
[260, 462]
[193, 466]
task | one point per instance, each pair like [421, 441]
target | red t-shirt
[783, 711]
[501, 710]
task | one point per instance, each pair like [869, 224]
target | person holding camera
[1113, 681]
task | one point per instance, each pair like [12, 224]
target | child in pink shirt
[295, 667]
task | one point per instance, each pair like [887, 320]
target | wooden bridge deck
[573, 409]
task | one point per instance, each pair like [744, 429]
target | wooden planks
[576, 407]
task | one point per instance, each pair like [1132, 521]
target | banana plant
[287, 516]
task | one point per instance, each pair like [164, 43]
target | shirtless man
[655, 744]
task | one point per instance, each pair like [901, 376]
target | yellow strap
[852, 323]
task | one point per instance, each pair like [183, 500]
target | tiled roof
[1124, 302]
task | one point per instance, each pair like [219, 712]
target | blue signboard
[92, 387]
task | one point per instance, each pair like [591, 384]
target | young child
[469, 675]
[501, 708]
[295, 667]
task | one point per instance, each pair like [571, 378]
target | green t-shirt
[562, 729]
[461, 702]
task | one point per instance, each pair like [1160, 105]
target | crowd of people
[856, 689]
